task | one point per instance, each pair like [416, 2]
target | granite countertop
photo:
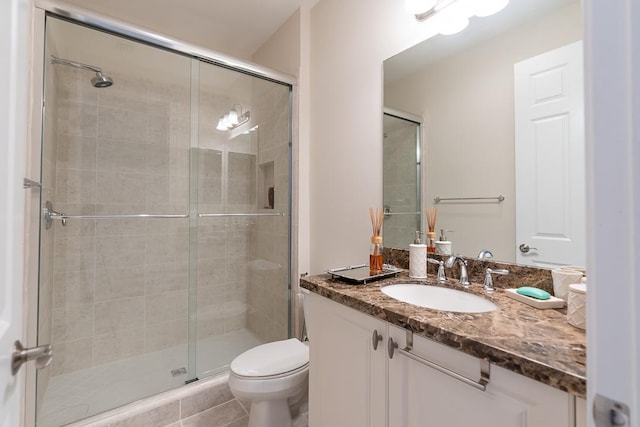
[538, 344]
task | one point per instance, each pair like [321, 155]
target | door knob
[41, 354]
[524, 248]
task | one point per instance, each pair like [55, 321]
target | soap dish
[552, 302]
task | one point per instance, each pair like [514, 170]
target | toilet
[271, 376]
[274, 377]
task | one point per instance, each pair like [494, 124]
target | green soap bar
[536, 293]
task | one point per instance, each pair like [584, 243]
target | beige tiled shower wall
[267, 290]
[119, 286]
[400, 177]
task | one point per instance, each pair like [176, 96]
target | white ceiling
[234, 27]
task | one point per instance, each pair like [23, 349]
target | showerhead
[98, 81]
[101, 80]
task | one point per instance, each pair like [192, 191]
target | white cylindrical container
[562, 279]
[418, 261]
[443, 247]
[577, 305]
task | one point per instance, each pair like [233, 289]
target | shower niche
[266, 184]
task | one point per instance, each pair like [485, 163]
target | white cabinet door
[420, 396]
[347, 377]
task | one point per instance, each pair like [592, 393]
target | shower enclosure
[401, 178]
[165, 232]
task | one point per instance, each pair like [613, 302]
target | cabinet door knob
[375, 339]
[391, 347]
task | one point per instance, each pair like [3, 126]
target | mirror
[462, 86]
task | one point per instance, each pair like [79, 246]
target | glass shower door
[165, 244]
[113, 292]
[243, 180]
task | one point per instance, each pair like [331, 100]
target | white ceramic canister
[562, 279]
[577, 305]
[443, 247]
[418, 261]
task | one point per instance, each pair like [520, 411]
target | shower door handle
[42, 355]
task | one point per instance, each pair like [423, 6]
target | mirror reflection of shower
[98, 81]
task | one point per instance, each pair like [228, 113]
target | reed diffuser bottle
[375, 253]
[432, 214]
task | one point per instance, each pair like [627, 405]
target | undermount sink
[438, 298]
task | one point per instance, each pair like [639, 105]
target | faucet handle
[441, 277]
[488, 279]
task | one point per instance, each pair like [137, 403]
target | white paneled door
[14, 25]
[550, 159]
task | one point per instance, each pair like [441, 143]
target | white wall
[282, 51]
[349, 41]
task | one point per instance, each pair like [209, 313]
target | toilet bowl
[271, 376]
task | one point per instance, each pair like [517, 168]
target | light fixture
[489, 7]
[418, 7]
[232, 119]
[452, 16]
[453, 25]
[453, 19]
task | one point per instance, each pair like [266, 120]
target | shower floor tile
[80, 394]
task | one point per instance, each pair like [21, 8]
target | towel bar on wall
[499, 198]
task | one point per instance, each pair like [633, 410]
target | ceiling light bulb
[417, 7]
[489, 7]
[233, 118]
[453, 24]
[221, 124]
[227, 123]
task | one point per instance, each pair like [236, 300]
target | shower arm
[80, 65]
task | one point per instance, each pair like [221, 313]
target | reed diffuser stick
[432, 215]
[375, 256]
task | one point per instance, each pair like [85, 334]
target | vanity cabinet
[353, 384]
[347, 376]
[433, 384]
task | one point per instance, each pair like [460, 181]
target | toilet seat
[272, 360]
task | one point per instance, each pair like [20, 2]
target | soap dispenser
[443, 246]
[418, 258]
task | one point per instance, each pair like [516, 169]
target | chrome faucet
[441, 276]
[488, 279]
[464, 279]
[485, 254]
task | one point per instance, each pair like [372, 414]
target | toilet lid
[271, 359]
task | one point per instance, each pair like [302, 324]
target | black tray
[360, 274]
